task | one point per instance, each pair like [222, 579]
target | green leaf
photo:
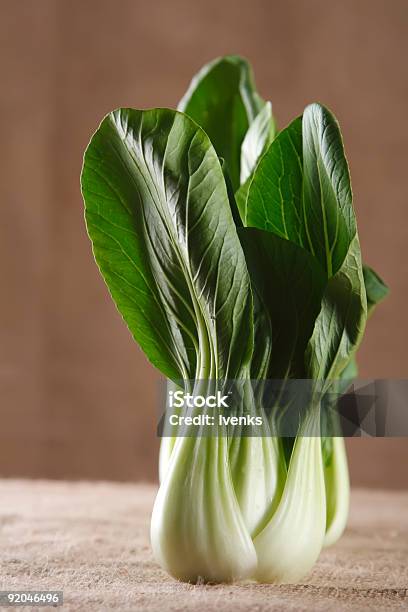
[163, 236]
[376, 289]
[259, 136]
[301, 189]
[223, 100]
[340, 325]
[301, 192]
[327, 199]
[274, 196]
[288, 284]
[257, 140]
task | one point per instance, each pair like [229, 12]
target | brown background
[78, 398]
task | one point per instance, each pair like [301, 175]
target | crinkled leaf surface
[223, 100]
[327, 200]
[274, 196]
[301, 189]
[163, 236]
[341, 322]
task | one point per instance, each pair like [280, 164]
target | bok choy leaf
[223, 100]
[163, 236]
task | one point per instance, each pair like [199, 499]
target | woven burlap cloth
[92, 542]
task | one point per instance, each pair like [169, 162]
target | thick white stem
[290, 543]
[337, 492]
[197, 529]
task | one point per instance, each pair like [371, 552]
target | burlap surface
[92, 541]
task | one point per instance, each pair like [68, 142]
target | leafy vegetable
[232, 253]
[158, 214]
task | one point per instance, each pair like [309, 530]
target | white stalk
[255, 479]
[257, 474]
[337, 492]
[166, 448]
[255, 463]
[197, 529]
[291, 542]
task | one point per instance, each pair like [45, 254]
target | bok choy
[231, 251]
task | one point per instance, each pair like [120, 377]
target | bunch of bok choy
[231, 251]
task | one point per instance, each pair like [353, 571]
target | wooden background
[77, 397]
